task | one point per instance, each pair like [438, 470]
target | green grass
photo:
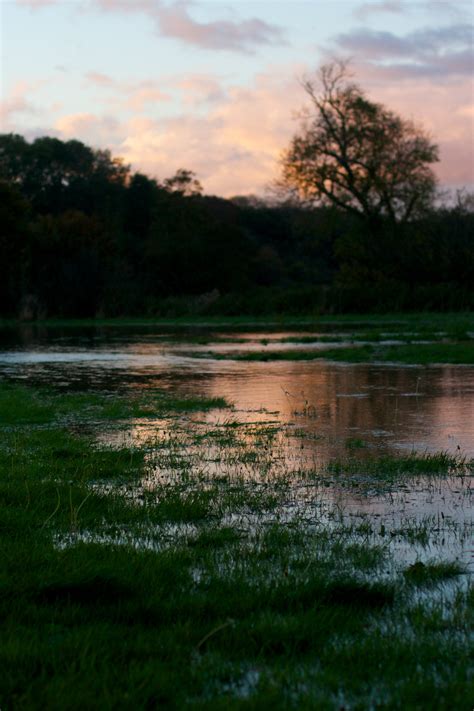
[440, 463]
[133, 578]
[426, 320]
[359, 354]
[354, 443]
[455, 353]
[408, 332]
[414, 354]
[431, 573]
[21, 405]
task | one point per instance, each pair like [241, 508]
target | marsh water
[388, 407]
[327, 410]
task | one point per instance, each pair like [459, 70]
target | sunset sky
[214, 86]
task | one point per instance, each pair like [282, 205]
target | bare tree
[357, 154]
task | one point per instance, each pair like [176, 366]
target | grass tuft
[420, 573]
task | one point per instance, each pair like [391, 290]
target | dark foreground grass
[22, 405]
[213, 616]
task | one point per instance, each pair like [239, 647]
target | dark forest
[81, 235]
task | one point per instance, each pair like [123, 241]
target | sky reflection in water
[322, 406]
[406, 407]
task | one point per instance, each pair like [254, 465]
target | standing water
[329, 412]
[391, 407]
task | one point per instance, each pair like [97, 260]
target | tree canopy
[357, 154]
[82, 235]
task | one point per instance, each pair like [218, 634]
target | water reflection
[322, 410]
[385, 406]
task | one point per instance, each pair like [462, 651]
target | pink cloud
[174, 20]
[12, 106]
[36, 4]
[143, 96]
[100, 79]
[234, 146]
[194, 88]
[16, 104]
[132, 95]
[234, 141]
[200, 89]
[98, 131]
[442, 108]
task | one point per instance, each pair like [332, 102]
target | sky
[215, 86]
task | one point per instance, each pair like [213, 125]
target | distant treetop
[357, 154]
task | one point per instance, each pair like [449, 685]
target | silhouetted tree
[80, 235]
[183, 182]
[57, 175]
[67, 263]
[14, 213]
[357, 154]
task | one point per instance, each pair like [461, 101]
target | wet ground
[316, 454]
[387, 407]
[325, 412]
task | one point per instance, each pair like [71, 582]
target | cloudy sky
[213, 86]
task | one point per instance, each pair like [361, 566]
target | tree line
[82, 235]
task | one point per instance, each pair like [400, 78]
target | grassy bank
[414, 354]
[191, 567]
[425, 320]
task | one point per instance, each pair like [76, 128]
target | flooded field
[390, 407]
[318, 412]
[255, 524]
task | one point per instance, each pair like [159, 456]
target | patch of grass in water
[426, 353]
[360, 354]
[354, 443]
[359, 595]
[214, 538]
[461, 353]
[193, 404]
[181, 506]
[434, 330]
[441, 463]
[420, 573]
